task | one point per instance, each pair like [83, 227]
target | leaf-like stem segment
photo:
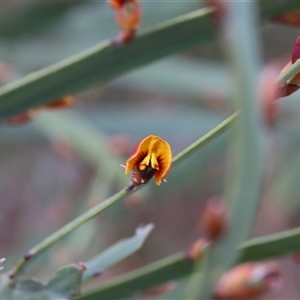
[190, 150]
[38, 88]
[49, 241]
[177, 266]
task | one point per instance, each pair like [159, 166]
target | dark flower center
[147, 173]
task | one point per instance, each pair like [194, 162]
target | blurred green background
[62, 163]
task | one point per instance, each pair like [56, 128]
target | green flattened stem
[46, 243]
[104, 62]
[190, 150]
[38, 249]
[178, 266]
[245, 174]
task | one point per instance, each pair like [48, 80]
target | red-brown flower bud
[247, 281]
[64, 102]
[296, 258]
[198, 249]
[128, 15]
[287, 89]
[214, 218]
[23, 118]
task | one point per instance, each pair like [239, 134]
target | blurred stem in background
[245, 167]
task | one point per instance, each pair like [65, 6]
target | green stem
[290, 72]
[188, 151]
[104, 205]
[246, 152]
[18, 267]
[38, 249]
[178, 266]
[46, 243]
[104, 62]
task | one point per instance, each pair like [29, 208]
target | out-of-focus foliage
[63, 163]
[65, 285]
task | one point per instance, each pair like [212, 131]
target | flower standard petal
[164, 158]
[151, 157]
[138, 154]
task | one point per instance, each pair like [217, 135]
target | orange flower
[151, 157]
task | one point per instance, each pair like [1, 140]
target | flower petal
[164, 158]
[140, 152]
[145, 162]
[154, 162]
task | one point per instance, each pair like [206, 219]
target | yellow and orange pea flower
[128, 15]
[293, 84]
[22, 118]
[152, 157]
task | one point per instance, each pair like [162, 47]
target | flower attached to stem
[152, 157]
[128, 15]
